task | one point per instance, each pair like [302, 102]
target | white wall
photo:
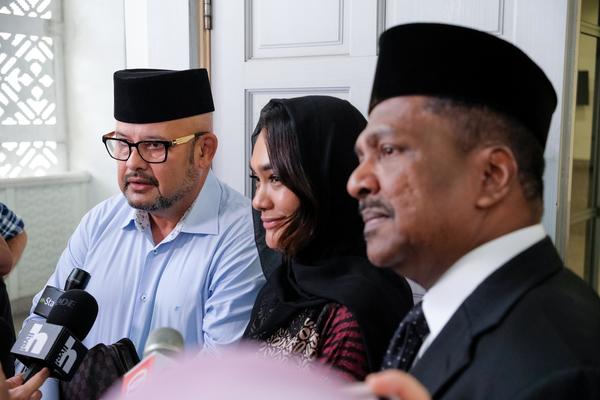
[157, 35]
[94, 49]
[51, 207]
[540, 29]
[103, 36]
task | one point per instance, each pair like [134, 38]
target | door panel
[285, 48]
[276, 28]
[486, 15]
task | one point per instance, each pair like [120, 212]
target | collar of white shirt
[443, 299]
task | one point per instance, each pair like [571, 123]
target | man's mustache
[375, 204]
[140, 175]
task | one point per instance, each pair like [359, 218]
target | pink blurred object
[238, 373]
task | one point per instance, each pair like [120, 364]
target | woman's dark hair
[283, 148]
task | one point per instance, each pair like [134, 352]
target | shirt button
[155, 251]
[144, 297]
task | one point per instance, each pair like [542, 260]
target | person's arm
[233, 288]
[17, 246]
[12, 239]
[395, 384]
[6, 258]
[11, 251]
[15, 389]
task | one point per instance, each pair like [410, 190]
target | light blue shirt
[202, 279]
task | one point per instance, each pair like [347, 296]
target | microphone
[166, 341]
[162, 344]
[56, 343]
[77, 279]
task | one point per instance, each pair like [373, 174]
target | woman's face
[275, 201]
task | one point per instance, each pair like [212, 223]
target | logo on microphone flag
[35, 340]
[68, 355]
[50, 345]
[139, 373]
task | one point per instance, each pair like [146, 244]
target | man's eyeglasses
[151, 151]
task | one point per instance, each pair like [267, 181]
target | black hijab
[332, 265]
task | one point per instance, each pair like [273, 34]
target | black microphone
[56, 343]
[77, 279]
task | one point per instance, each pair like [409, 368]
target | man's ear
[498, 173]
[206, 147]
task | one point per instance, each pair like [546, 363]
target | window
[583, 252]
[32, 122]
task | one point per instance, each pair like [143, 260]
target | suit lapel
[452, 351]
[448, 354]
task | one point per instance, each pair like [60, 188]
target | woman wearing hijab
[323, 300]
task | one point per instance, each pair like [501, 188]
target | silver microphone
[166, 341]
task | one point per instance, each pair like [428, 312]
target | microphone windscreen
[78, 279]
[76, 310]
[164, 340]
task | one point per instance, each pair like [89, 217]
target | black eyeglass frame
[166, 143]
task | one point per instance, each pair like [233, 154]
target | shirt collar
[461, 279]
[201, 218]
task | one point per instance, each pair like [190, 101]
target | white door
[284, 48]
[264, 49]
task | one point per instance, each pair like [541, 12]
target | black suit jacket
[531, 330]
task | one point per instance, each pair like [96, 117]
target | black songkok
[464, 64]
[156, 95]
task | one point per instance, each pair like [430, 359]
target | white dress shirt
[443, 299]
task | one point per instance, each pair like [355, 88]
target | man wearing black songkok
[176, 248]
[450, 190]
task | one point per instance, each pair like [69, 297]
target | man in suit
[450, 190]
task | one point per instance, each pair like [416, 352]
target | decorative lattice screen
[32, 129]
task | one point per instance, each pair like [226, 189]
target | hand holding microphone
[56, 343]
[15, 389]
